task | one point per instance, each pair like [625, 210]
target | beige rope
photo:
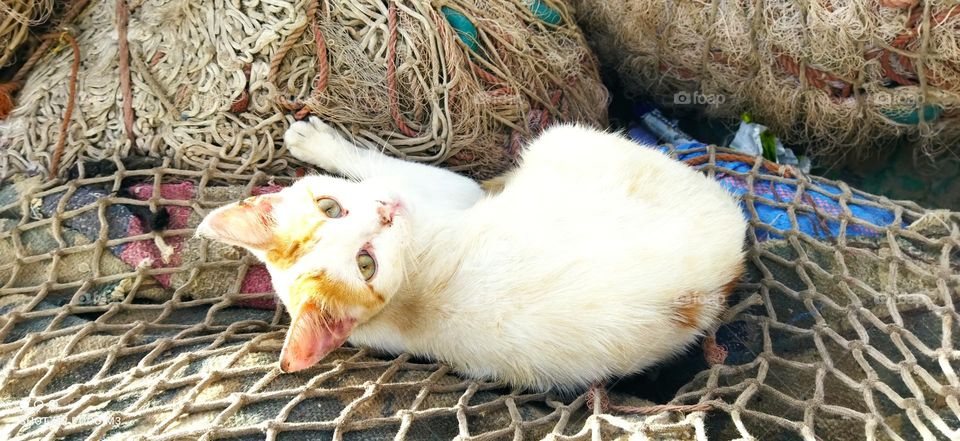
[203, 89]
[597, 400]
[849, 338]
[16, 18]
[833, 77]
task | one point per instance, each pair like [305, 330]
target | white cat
[597, 258]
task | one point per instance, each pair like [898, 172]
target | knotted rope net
[844, 78]
[116, 323]
[16, 18]
[458, 82]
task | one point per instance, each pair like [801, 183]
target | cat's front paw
[312, 141]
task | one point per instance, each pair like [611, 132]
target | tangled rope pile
[115, 325]
[16, 18]
[842, 78]
[461, 83]
[16, 21]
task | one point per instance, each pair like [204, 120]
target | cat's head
[334, 249]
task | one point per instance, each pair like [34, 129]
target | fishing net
[117, 323]
[843, 78]
[18, 21]
[207, 83]
[16, 18]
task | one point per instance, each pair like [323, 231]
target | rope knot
[714, 353]
[597, 391]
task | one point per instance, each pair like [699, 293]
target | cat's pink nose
[387, 210]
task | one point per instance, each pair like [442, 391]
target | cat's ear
[311, 337]
[248, 223]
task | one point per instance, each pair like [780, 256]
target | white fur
[570, 275]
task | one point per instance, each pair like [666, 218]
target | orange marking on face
[379, 296]
[285, 254]
[288, 248]
[688, 312]
[320, 289]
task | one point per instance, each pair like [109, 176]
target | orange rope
[123, 16]
[891, 73]
[816, 77]
[6, 98]
[240, 104]
[771, 167]
[598, 391]
[898, 4]
[8, 89]
[157, 57]
[301, 109]
[714, 353]
[482, 73]
[68, 114]
[392, 73]
[323, 65]
[839, 87]
[909, 36]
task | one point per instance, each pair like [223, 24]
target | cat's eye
[366, 264]
[330, 207]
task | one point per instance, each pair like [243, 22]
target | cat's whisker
[324, 322]
[404, 270]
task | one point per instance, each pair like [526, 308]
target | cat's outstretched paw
[312, 140]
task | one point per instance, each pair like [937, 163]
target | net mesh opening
[115, 322]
